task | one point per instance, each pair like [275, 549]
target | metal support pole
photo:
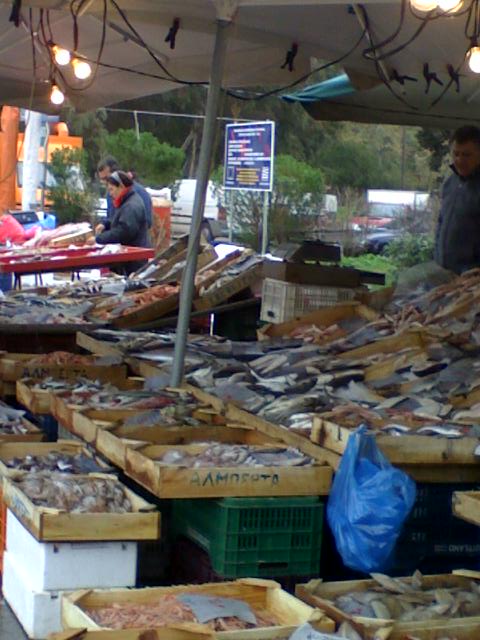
[265, 222]
[208, 137]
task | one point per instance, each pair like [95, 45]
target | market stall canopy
[267, 37]
[337, 99]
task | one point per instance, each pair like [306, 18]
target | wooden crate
[53, 525]
[274, 431]
[11, 450]
[15, 366]
[322, 594]
[213, 298]
[114, 439]
[190, 632]
[33, 434]
[169, 481]
[37, 401]
[389, 345]
[321, 318]
[265, 595]
[147, 313]
[400, 450]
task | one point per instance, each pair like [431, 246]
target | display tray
[264, 595]
[98, 347]
[53, 525]
[222, 293]
[322, 595]
[466, 505]
[114, 440]
[322, 318]
[400, 450]
[128, 634]
[37, 401]
[169, 481]
[15, 366]
[11, 450]
[33, 434]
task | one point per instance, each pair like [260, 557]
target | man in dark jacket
[457, 241]
[105, 168]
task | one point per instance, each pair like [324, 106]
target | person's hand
[90, 241]
[99, 228]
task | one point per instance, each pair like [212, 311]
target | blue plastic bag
[368, 504]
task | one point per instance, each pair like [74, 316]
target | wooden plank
[227, 290]
[54, 525]
[15, 366]
[215, 482]
[466, 505]
[264, 595]
[440, 474]
[98, 347]
[392, 344]
[323, 594]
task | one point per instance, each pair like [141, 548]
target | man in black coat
[457, 240]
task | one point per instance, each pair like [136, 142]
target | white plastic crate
[284, 301]
[70, 565]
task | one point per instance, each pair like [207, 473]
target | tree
[72, 198]
[436, 141]
[91, 127]
[156, 163]
[295, 200]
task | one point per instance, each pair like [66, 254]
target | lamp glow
[424, 5]
[81, 69]
[450, 6]
[62, 56]
[56, 96]
[473, 57]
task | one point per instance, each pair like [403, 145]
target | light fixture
[424, 5]
[450, 6]
[473, 57]
[81, 69]
[62, 56]
[56, 96]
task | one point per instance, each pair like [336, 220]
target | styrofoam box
[70, 565]
[39, 612]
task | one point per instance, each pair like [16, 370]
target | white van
[183, 196]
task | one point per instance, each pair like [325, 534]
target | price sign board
[249, 152]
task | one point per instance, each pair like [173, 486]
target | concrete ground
[9, 627]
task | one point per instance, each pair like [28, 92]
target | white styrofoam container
[70, 565]
[39, 612]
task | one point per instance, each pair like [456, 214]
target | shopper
[105, 168]
[457, 241]
[129, 224]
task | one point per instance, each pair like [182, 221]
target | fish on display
[75, 494]
[233, 455]
[57, 461]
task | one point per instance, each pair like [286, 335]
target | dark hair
[468, 133]
[120, 178]
[110, 162]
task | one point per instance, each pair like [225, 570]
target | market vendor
[457, 240]
[129, 223]
[105, 168]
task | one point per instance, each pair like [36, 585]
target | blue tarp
[333, 88]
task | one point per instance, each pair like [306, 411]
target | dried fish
[233, 455]
[58, 461]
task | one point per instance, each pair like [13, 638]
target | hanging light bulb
[56, 96]
[424, 5]
[62, 56]
[450, 6]
[81, 69]
[473, 57]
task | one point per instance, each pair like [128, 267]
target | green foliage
[410, 249]
[91, 127]
[436, 142]
[297, 193]
[72, 198]
[156, 163]
[373, 262]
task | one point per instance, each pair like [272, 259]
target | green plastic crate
[255, 537]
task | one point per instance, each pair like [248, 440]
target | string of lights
[378, 51]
